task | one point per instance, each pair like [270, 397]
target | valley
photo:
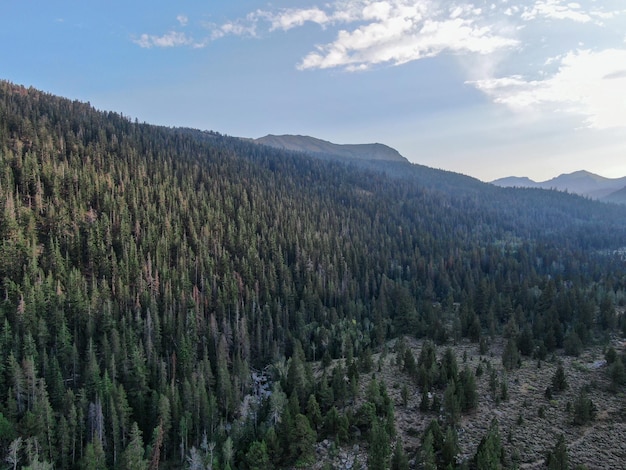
[147, 272]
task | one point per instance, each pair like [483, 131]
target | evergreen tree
[559, 381]
[427, 456]
[257, 457]
[399, 459]
[584, 409]
[451, 404]
[133, 456]
[617, 372]
[302, 441]
[94, 458]
[379, 449]
[489, 453]
[510, 357]
[450, 447]
[557, 458]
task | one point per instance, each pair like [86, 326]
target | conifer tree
[133, 456]
[257, 457]
[379, 449]
[559, 381]
[302, 440]
[428, 457]
[557, 458]
[489, 453]
[399, 459]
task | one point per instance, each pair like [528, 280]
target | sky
[488, 88]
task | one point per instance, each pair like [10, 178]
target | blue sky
[487, 88]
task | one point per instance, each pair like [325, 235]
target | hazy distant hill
[580, 182]
[617, 197]
[311, 145]
[516, 182]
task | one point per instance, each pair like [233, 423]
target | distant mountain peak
[319, 147]
[580, 182]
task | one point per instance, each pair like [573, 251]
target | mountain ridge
[581, 182]
[313, 145]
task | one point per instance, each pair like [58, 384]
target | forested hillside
[144, 271]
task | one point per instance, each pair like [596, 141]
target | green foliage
[559, 381]
[427, 456]
[510, 356]
[452, 404]
[379, 449]
[314, 413]
[424, 401]
[489, 454]
[617, 373]
[573, 345]
[133, 456]
[7, 431]
[257, 457]
[399, 459]
[145, 270]
[94, 458]
[611, 355]
[450, 447]
[404, 394]
[302, 441]
[584, 409]
[557, 458]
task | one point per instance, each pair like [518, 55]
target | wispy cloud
[241, 27]
[290, 18]
[395, 32]
[556, 9]
[169, 39]
[399, 40]
[588, 83]
[509, 48]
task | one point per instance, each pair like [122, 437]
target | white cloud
[242, 27]
[508, 52]
[291, 18]
[588, 83]
[400, 31]
[170, 39]
[556, 9]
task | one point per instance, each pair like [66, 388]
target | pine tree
[257, 457]
[559, 381]
[451, 404]
[399, 459]
[428, 452]
[94, 458]
[314, 413]
[302, 440]
[557, 458]
[133, 456]
[510, 357]
[379, 450]
[584, 409]
[450, 447]
[489, 453]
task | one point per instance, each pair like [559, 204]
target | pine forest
[174, 298]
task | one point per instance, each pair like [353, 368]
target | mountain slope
[149, 274]
[311, 145]
[581, 182]
[516, 182]
[618, 197]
